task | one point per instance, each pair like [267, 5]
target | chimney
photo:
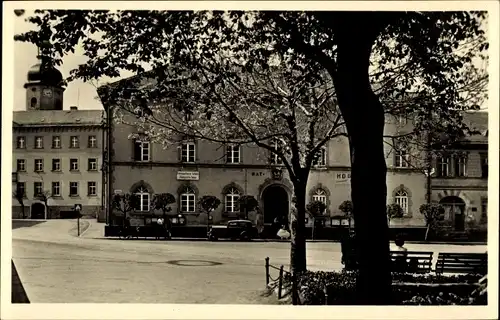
[73, 108]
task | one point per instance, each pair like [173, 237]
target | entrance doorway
[275, 204]
[454, 211]
[38, 211]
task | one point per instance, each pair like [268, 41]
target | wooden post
[267, 271]
[78, 225]
[280, 282]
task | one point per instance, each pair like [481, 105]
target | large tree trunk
[364, 116]
[298, 261]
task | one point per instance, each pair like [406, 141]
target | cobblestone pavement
[56, 267]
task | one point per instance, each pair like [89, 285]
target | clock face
[47, 93]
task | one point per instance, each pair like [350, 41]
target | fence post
[294, 290]
[280, 282]
[267, 271]
[325, 291]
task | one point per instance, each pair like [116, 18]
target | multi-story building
[195, 168]
[57, 154]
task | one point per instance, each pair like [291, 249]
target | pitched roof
[477, 121]
[57, 117]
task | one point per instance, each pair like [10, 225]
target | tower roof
[42, 73]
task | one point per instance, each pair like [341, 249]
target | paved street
[57, 267]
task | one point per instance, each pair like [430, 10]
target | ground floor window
[143, 203]
[188, 200]
[401, 199]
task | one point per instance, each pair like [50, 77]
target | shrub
[341, 289]
[394, 210]
[346, 208]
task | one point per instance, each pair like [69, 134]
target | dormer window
[320, 158]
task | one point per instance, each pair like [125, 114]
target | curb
[307, 241]
[84, 231]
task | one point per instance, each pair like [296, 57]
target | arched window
[319, 195]
[33, 102]
[232, 197]
[144, 199]
[188, 199]
[401, 198]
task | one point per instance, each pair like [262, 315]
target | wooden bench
[462, 263]
[411, 261]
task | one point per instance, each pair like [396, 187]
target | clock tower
[45, 87]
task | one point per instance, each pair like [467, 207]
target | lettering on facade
[188, 175]
[343, 177]
[257, 174]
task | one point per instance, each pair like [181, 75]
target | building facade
[195, 168]
[57, 154]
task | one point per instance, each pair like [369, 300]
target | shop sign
[188, 175]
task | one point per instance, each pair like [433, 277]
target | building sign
[343, 177]
[257, 174]
[118, 191]
[188, 175]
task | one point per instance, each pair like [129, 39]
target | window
[275, 159]
[188, 200]
[320, 158]
[73, 189]
[188, 152]
[38, 165]
[74, 142]
[141, 151]
[21, 165]
[232, 197]
[92, 142]
[56, 164]
[92, 164]
[401, 199]
[56, 189]
[319, 195]
[56, 142]
[92, 188]
[443, 166]
[401, 156]
[233, 154]
[37, 189]
[460, 166]
[21, 142]
[21, 189]
[484, 165]
[143, 195]
[38, 142]
[73, 164]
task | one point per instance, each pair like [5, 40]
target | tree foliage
[125, 203]
[209, 203]
[433, 213]
[346, 207]
[19, 194]
[394, 210]
[162, 201]
[316, 208]
[247, 204]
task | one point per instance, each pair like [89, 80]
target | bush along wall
[408, 289]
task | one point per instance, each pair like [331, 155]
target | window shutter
[137, 150]
[179, 153]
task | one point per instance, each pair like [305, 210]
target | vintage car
[235, 229]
